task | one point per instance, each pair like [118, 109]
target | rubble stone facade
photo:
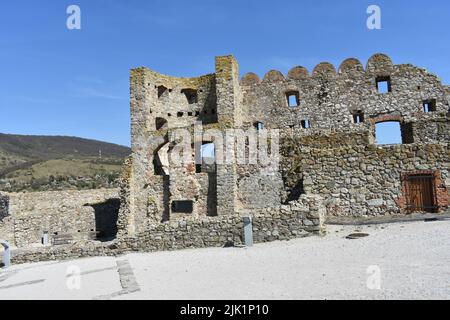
[66, 216]
[329, 162]
[326, 121]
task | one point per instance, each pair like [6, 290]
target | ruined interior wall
[62, 212]
[357, 180]
[327, 98]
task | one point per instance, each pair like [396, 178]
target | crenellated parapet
[329, 98]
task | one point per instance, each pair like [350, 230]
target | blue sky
[56, 81]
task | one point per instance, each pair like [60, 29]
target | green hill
[37, 163]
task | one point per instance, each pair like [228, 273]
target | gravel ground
[412, 261]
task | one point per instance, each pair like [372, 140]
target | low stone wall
[298, 219]
[71, 212]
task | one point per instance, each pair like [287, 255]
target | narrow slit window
[259, 125]
[358, 117]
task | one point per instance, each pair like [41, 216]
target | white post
[248, 231]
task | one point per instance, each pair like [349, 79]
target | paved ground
[412, 261]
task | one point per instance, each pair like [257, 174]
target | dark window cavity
[161, 91]
[358, 117]
[161, 123]
[182, 206]
[191, 95]
[429, 105]
[259, 125]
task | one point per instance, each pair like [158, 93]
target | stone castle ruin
[329, 163]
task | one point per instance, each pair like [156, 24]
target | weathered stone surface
[74, 214]
[330, 164]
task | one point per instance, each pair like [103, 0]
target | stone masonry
[329, 161]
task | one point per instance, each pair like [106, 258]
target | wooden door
[421, 193]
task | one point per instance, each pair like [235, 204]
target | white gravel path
[413, 258]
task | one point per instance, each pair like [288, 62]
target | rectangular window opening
[429, 105]
[293, 99]
[182, 206]
[207, 157]
[384, 84]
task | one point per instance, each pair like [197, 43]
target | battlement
[324, 98]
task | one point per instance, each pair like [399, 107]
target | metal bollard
[248, 231]
[6, 253]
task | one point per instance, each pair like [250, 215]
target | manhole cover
[357, 235]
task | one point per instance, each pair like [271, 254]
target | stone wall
[4, 206]
[323, 124]
[301, 218]
[6, 222]
[437, 129]
[329, 98]
[75, 214]
[360, 180]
